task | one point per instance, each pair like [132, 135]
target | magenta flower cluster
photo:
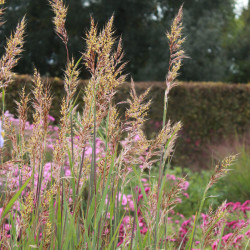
[180, 226]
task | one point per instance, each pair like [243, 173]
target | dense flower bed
[178, 225]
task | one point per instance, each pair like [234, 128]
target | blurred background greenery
[218, 36]
[235, 187]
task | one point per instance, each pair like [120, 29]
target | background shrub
[209, 112]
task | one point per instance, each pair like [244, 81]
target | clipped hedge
[209, 111]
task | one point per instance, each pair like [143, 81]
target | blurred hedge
[209, 111]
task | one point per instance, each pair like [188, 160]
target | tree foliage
[217, 41]
[239, 47]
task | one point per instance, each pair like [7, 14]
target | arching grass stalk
[93, 160]
[221, 235]
[176, 56]
[2, 121]
[158, 211]
[73, 105]
[12, 201]
[220, 171]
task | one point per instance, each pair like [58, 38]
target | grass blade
[14, 199]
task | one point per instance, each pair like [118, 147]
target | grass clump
[96, 190]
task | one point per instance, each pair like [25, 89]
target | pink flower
[181, 215]
[51, 118]
[140, 196]
[238, 238]
[124, 199]
[130, 169]
[119, 243]
[227, 236]
[215, 244]
[88, 151]
[131, 205]
[126, 220]
[56, 128]
[185, 185]
[170, 239]
[7, 227]
[108, 216]
[144, 230]
[247, 232]
[171, 177]
[137, 138]
[179, 200]
[67, 172]
[186, 223]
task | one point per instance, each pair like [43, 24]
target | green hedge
[209, 111]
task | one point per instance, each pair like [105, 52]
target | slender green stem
[133, 227]
[80, 171]
[162, 153]
[72, 138]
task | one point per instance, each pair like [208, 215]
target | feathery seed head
[59, 20]
[137, 109]
[26, 210]
[105, 67]
[22, 109]
[71, 80]
[13, 49]
[221, 170]
[42, 100]
[214, 224]
[176, 53]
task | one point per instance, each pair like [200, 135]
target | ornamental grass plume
[221, 170]
[176, 53]
[213, 225]
[176, 56]
[135, 143]
[13, 50]
[59, 20]
[22, 109]
[169, 199]
[41, 104]
[10, 134]
[91, 183]
[105, 68]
